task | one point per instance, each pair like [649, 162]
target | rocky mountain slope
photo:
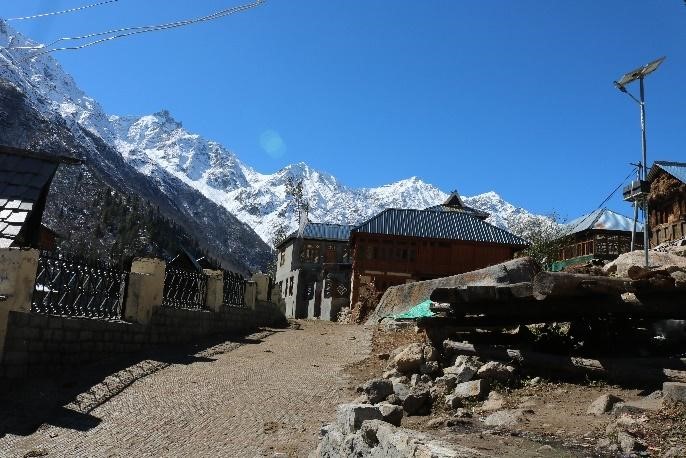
[198, 183]
[42, 108]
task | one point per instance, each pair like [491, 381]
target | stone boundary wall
[42, 344]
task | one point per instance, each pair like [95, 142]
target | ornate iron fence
[184, 289]
[76, 287]
[234, 289]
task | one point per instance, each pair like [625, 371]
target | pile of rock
[416, 383]
[359, 431]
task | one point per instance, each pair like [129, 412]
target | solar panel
[640, 72]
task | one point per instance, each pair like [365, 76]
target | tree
[546, 236]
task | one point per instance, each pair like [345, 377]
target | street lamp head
[639, 73]
[619, 86]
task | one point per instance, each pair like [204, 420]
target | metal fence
[184, 289]
[234, 289]
[75, 287]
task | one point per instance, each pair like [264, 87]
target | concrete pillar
[250, 294]
[18, 268]
[215, 289]
[262, 281]
[146, 289]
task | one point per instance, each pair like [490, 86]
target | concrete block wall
[43, 344]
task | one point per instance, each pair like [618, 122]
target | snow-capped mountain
[169, 158]
[261, 200]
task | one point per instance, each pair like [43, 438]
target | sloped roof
[602, 219]
[24, 180]
[437, 225]
[454, 204]
[323, 231]
[676, 169]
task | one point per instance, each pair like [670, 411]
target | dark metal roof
[323, 231]
[464, 209]
[437, 225]
[676, 169]
[22, 181]
[454, 204]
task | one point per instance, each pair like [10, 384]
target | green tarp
[558, 266]
[418, 311]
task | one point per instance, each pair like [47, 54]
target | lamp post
[642, 194]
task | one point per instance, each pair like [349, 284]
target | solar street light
[639, 74]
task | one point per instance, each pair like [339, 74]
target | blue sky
[511, 96]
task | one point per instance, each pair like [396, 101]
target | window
[282, 257]
[331, 253]
[311, 252]
[290, 288]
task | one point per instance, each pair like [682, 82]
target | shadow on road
[66, 400]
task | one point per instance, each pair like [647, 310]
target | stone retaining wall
[40, 344]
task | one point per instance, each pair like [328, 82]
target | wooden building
[400, 245]
[667, 202]
[313, 271]
[602, 234]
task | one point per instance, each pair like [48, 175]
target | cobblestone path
[260, 399]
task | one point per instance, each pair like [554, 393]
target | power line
[616, 189]
[129, 31]
[56, 13]
[633, 170]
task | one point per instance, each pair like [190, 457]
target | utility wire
[616, 189]
[633, 170]
[56, 13]
[129, 31]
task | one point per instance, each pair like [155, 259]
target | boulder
[401, 390]
[674, 391]
[430, 353]
[349, 417]
[506, 418]
[442, 386]
[494, 402]
[418, 379]
[620, 266]
[603, 404]
[448, 381]
[628, 443]
[377, 389]
[495, 371]
[429, 368]
[410, 359]
[394, 399]
[463, 373]
[392, 414]
[675, 452]
[679, 278]
[453, 402]
[476, 389]
[418, 401]
[472, 361]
